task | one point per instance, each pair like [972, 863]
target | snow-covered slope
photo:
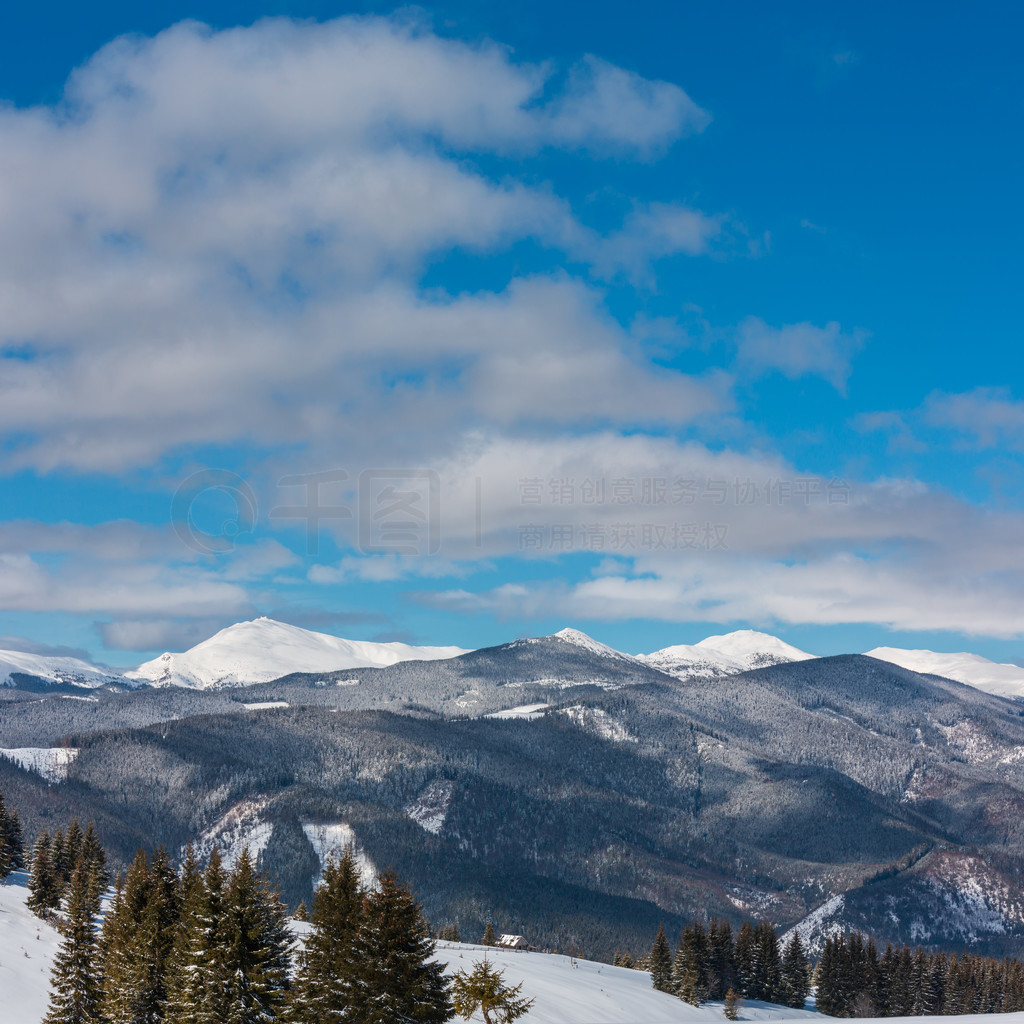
[53, 669]
[724, 655]
[570, 991]
[262, 650]
[49, 762]
[27, 949]
[565, 991]
[990, 676]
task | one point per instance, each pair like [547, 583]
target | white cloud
[725, 537]
[983, 417]
[799, 350]
[218, 238]
[841, 589]
[653, 231]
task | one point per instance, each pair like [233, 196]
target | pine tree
[327, 965]
[488, 939]
[15, 840]
[301, 912]
[6, 857]
[721, 973]
[398, 983]
[196, 976]
[745, 960]
[660, 960]
[76, 981]
[43, 882]
[768, 972]
[732, 1004]
[74, 837]
[795, 978]
[829, 999]
[690, 965]
[94, 856]
[133, 947]
[484, 989]
[256, 947]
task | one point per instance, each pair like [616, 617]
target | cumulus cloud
[799, 350]
[217, 237]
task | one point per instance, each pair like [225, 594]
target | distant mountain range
[568, 791]
[263, 650]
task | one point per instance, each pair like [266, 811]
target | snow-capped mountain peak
[750, 646]
[264, 649]
[580, 639]
[1001, 679]
[724, 655]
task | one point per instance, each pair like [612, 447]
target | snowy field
[566, 991]
[569, 991]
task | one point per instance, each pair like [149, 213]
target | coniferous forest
[199, 944]
[851, 978]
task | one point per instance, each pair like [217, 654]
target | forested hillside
[630, 800]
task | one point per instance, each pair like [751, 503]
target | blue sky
[660, 323]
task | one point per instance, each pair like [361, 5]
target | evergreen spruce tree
[690, 965]
[399, 983]
[301, 912]
[196, 975]
[766, 965]
[94, 856]
[795, 973]
[721, 974]
[43, 882]
[256, 947]
[15, 840]
[829, 996]
[6, 858]
[731, 1006]
[484, 989]
[328, 966]
[76, 979]
[660, 960]
[745, 959]
[61, 869]
[74, 837]
[488, 939]
[132, 948]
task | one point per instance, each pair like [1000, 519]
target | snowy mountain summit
[264, 649]
[724, 655]
[52, 669]
[1003, 680]
[587, 643]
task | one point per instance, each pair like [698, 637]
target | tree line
[855, 980]
[12, 841]
[708, 963]
[55, 859]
